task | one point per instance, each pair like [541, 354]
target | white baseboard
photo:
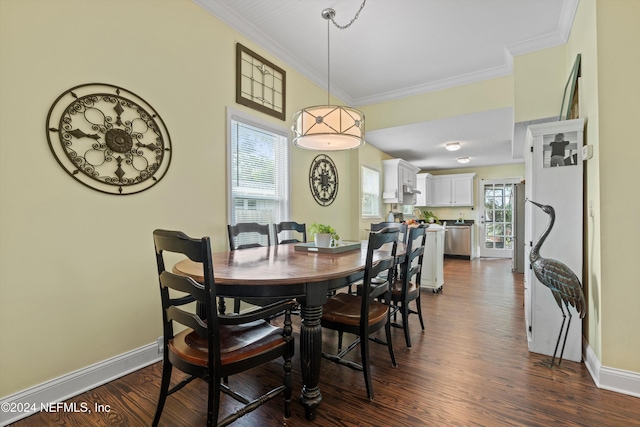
[75, 383]
[625, 382]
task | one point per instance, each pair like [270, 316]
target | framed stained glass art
[260, 84]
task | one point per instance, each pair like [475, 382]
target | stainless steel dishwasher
[457, 241]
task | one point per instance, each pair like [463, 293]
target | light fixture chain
[329, 127]
[352, 21]
[329, 64]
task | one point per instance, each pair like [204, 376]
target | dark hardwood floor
[471, 367]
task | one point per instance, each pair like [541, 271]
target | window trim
[233, 114]
[362, 215]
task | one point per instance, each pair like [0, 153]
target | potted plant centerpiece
[324, 235]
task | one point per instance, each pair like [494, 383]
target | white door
[496, 217]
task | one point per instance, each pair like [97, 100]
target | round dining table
[281, 271]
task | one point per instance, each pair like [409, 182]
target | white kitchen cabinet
[432, 264]
[408, 172]
[561, 188]
[441, 190]
[462, 190]
[424, 184]
[452, 190]
[399, 182]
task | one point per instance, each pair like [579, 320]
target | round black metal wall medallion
[108, 139]
[323, 180]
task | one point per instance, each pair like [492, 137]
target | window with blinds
[370, 192]
[259, 171]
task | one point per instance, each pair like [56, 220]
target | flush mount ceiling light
[329, 127]
[463, 160]
[452, 146]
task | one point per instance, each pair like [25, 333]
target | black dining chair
[289, 226]
[214, 347]
[402, 227]
[406, 287]
[246, 235]
[364, 314]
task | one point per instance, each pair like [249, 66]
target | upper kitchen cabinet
[425, 186]
[399, 182]
[452, 190]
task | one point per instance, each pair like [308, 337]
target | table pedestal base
[310, 357]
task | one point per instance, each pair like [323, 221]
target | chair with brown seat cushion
[362, 314]
[289, 226]
[213, 347]
[246, 235]
[406, 287]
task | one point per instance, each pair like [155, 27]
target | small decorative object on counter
[430, 217]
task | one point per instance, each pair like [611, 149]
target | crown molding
[238, 23]
[463, 79]
[244, 27]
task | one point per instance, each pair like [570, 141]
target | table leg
[222, 306]
[310, 357]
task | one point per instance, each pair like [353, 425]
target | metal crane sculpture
[564, 284]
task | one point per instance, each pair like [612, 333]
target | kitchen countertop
[450, 222]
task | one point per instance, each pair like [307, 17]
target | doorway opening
[496, 217]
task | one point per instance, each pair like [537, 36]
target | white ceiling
[398, 48]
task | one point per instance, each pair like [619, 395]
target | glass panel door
[496, 220]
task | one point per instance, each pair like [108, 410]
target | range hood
[410, 190]
[399, 182]
[405, 190]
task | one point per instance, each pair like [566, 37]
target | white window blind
[370, 192]
[259, 171]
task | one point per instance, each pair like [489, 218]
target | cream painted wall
[77, 272]
[77, 277]
[583, 41]
[475, 97]
[537, 78]
[618, 30]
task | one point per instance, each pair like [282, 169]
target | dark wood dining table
[282, 271]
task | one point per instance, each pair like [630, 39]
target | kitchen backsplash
[467, 213]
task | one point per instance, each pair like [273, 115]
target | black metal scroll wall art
[108, 139]
[323, 180]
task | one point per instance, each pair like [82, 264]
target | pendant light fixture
[329, 127]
